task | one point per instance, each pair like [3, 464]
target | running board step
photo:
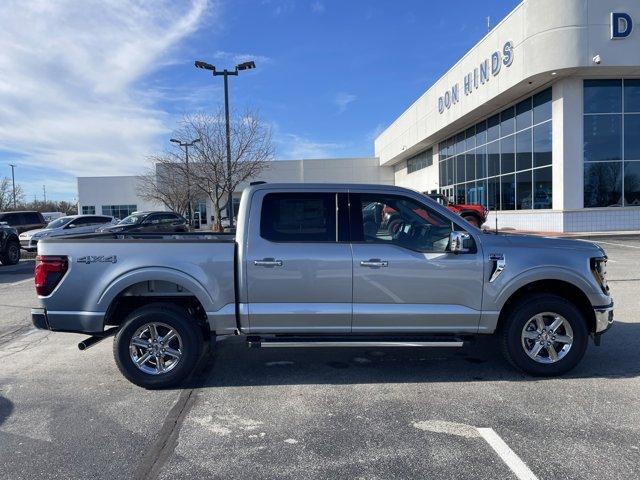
[296, 342]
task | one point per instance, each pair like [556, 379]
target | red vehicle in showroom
[474, 213]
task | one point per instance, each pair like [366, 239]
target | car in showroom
[69, 225]
[149, 222]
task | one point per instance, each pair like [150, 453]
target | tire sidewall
[5, 256]
[16, 248]
[192, 344]
[522, 314]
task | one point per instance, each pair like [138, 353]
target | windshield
[131, 220]
[60, 222]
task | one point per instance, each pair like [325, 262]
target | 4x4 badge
[98, 259]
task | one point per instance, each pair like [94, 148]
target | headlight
[37, 236]
[599, 271]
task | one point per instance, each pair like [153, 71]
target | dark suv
[23, 221]
[9, 245]
[149, 222]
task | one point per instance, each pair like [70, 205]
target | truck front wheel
[158, 346]
[545, 335]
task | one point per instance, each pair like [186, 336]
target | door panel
[299, 277]
[404, 279]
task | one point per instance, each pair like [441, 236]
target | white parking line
[508, 456]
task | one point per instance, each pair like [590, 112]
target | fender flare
[542, 273]
[126, 280]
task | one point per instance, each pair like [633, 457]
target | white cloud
[68, 96]
[342, 100]
[291, 146]
[234, 58]
[317, 7]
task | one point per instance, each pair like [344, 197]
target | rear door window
[299, 217]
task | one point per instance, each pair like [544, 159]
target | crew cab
[314, 265]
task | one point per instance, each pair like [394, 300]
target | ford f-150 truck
[315, 265]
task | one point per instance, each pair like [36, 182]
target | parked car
[9, 245]
[23, 221]
[70, 225]
[149, 222]
[474, 213]
[314, 266]
[51, 216]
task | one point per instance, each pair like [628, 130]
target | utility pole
[44, 193]
[186, 146]
[13, 180]
[242, 66]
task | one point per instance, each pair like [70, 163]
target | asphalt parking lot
[325, 413]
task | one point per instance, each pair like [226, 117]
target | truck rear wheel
[545, 335]
[158, 346]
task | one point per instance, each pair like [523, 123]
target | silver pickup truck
[325, 265]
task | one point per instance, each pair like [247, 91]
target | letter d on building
[621, 25]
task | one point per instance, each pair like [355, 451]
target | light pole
[242, 66]
[13, 180]
[186, 146]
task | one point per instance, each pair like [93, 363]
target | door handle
[374, 263]
[268, 262]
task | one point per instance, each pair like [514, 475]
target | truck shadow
[6, 408]
[235, 365]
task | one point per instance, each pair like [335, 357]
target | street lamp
[241, 66]
[186, 146]
[13, 180]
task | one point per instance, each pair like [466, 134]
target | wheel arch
[560, 288]
[144, 286]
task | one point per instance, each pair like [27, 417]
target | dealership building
[539, 121]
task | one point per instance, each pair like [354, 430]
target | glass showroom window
[420, 161]
[504, 162]
[611, 143]
[88, 210]
[118, 211]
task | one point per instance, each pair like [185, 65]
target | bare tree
[251, 148]
[6, 194]
[165, 182]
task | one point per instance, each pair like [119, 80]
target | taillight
[49, 271]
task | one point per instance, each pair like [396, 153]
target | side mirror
[71, 225]
[459, 242]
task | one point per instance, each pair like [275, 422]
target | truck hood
[532, 241]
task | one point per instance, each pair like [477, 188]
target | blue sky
[93, 87]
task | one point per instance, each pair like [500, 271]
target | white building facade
[118, 195]
[540, 121]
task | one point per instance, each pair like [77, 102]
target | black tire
[11, 254]
[512, 331]
[190, 335]
[473, 220]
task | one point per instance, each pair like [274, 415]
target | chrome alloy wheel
[155, 348]
[547, 337]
